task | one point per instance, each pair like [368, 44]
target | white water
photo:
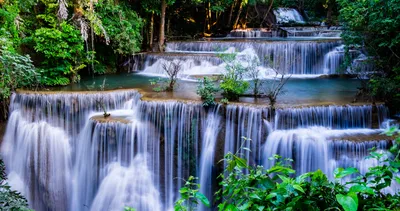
[61, 159]
[286, 15]
[212, 129]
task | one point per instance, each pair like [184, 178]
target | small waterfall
[127, 186]
[316, 31]
[247, 122]
[301, 57]
[333, 60]
[287, 15]
[212, 128]
[336, 117]
[316, 148]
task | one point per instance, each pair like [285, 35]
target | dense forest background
[53, 42]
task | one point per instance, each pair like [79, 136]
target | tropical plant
[207, 90]
[123, 26]
[62, 49]
[246, 187]
[190, 196]
[372, 27]
[17, 71]
[171, 70]
[233, 84]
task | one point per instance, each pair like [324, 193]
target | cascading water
[212, 128]
[287, 15]
[341, 117]
[299, 58]
[63, 155]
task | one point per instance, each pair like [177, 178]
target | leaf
[203, 199]
[231, 207]
[397, 179]
[270, 196]
[299, 188]
[340, 172]
[240, 161]
[347, 202]
[254, 196]
[361, 189]
[245, 206]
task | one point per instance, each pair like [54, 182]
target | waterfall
[314, 148]
[300, 57]
[245, 122]
[38, 156]
[63, 155]
[287, 15]
[212, 128]
[339, 117]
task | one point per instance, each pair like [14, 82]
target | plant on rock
[233, 84]
[171, 70]
[207, 90]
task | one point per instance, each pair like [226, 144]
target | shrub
[232, 83]
[246, 187]
[207, 90]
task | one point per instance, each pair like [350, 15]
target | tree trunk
[245, 17]
[231, 13]
[266, 14]
[208, 17]
[161, 40]
[151, 31]
[329, 15]
[235, 25]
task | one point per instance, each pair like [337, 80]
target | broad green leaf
[270, 196]
[397, 179]
[340, 172]
[240, 161]
[231, 207]
[347, 202]
[254, 196]
[361, 189]
[203, 199]
[299, 188]
[245, 206]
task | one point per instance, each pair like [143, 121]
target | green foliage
[190, 196]
[63, 53]
[232, 83]
[372, 26]
[159, 84]
[224, 101]
[207, 90]
[10, 199]
[122, 25]
[16, 71]
[246, 187]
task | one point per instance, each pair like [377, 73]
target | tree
[373, 28]
[274, 88]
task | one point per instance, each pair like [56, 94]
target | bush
[62, 49]
[232, 83]
[206, 90]
[245, 187]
